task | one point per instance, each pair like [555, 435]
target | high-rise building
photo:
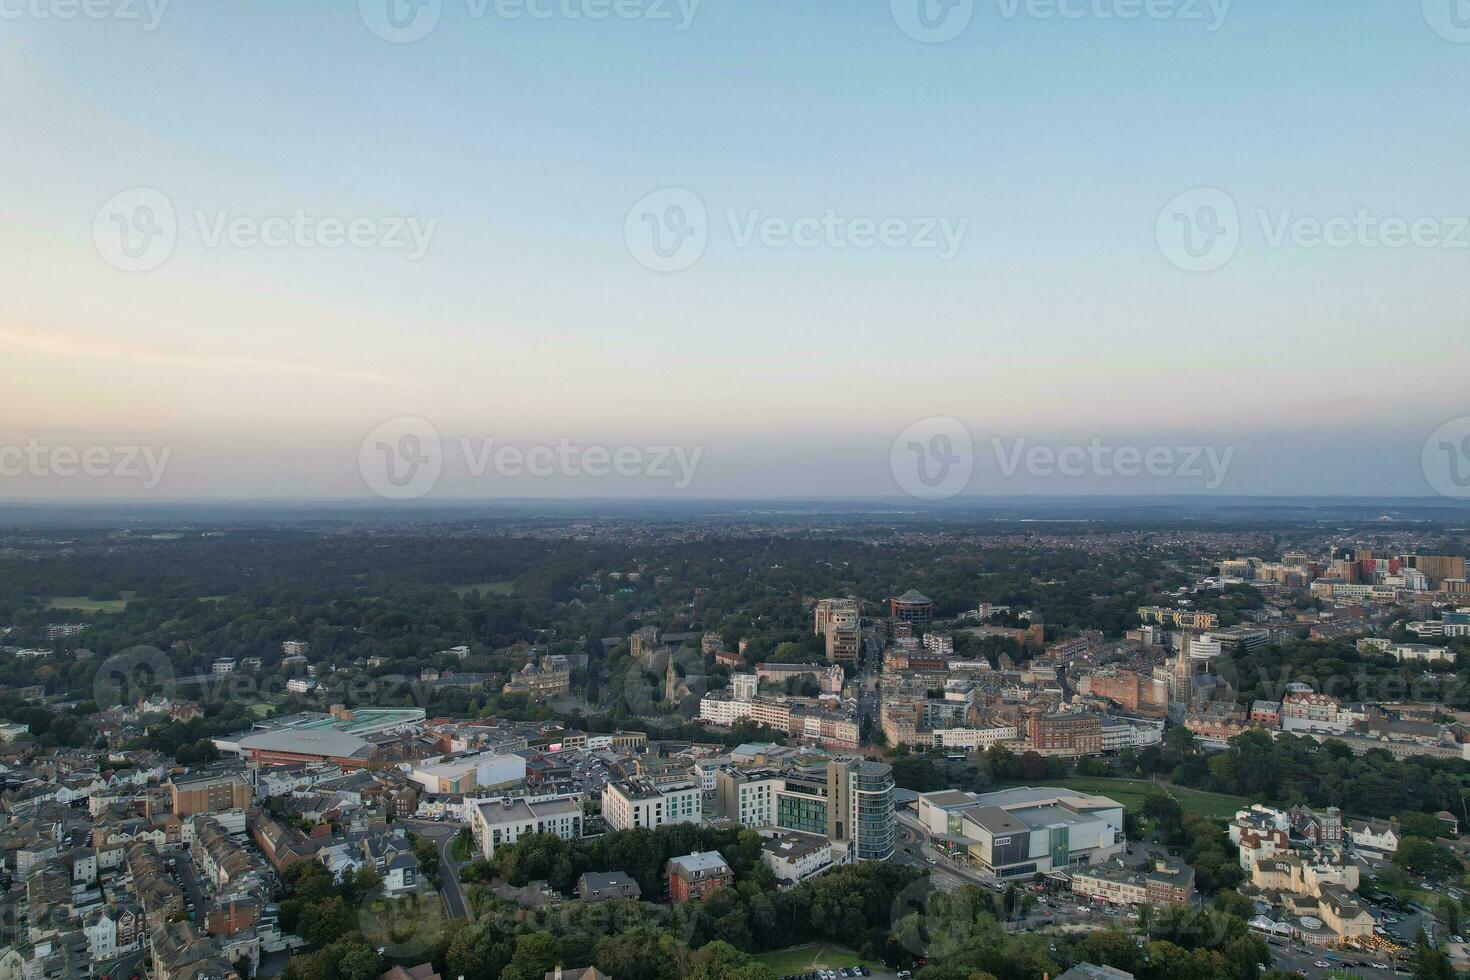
[844, 643]
[860, 807]
[912, 607]
[842, 613]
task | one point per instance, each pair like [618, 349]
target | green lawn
[814, 956]
[1132, 792]
[487, 588]
[80, 603]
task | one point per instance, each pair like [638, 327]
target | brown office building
[209, 793]
[1066, 733]
[1438, 568]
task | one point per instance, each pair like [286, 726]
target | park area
[813, 956]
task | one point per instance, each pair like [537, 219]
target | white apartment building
[1130, 733]
[1422, 652]
[639, 803]
[974, 739]
[501, 821]
[751, 797]
[940, 643]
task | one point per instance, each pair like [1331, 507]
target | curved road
[443, 834]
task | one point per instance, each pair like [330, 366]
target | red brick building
[694, 876]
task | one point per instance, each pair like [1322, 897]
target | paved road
[443, 834]
[193, 890]
[121, 968]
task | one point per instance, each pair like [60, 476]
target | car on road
[1322, 965]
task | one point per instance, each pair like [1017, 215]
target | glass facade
[801, 813]
[872, 810]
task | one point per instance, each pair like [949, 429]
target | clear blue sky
[529, 318]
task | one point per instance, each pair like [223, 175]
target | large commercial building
[345, 736]
[633, 803]
[1024, 831]
[499, 822]
[486, 770]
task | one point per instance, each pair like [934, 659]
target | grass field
[800, 959]
[80, 603]
[487, 588]
[1132, 792]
